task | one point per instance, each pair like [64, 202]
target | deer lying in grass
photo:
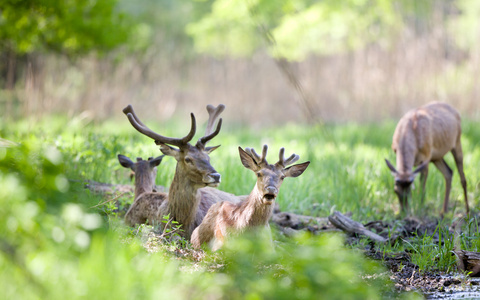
[193, 172]
[147, 200]
[257, 209]
[422, 136]
[145, 173]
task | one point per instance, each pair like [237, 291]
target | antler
[213, 114]
[159, 139]
[282, 162]
[259, 160]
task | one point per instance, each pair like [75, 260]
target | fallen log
[346, 224]
[294, 221]
[108, 188]
[468, 262]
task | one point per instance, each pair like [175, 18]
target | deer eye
[188, 160]
[259, 174]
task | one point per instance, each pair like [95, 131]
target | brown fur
[425, 135]
[147, 207]
[256, 209]
[146, 201]
[184, 203]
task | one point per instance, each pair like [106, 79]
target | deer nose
[213, 178]
[271, 190]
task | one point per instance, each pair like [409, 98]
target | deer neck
[182, 200]
[252, 211]
[407, 150]
[143, 183]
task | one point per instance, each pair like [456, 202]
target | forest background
[288, 67]
[270, 62]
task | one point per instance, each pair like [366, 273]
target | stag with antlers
[193, 171]
[257, 209]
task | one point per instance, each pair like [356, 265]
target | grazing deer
[193, 171]
[257, 209]
[422, 136]
[146, 200]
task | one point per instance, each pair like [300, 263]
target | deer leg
[423, 181]
[458, 156]
[447, 173]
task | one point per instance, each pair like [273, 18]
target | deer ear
[125, 161]
[421, 167]
[391, 167]
[296, 170]
[170, 151]
[211, 149]
[156, 161]
[247, 161]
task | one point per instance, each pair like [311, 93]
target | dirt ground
[405, 274]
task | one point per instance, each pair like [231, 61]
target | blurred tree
[293, 29]
[297, 28]
[70, 27]
[465, 26]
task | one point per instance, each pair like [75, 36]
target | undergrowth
[59, 241]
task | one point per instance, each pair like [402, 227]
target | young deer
[257, 209]
[193, 171]
[425, 135]
[145, 173]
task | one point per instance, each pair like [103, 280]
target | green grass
[347, 170]
[53, 231]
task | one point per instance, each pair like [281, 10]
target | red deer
[257, 209]
[422, 136]
[193, 171]
[146, 200]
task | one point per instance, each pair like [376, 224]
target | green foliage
[43, 222]
[308, 267]
[54, 245]
[69, 27]
[464, 26]
[294, 29]
[429, 255]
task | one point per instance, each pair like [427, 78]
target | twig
[348, 225]
[110, 200]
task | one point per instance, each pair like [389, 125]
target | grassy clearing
[347, 173]
[73, 250]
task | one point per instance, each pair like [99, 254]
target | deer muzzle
[270, 193]
[212, 179]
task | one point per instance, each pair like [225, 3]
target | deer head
[403, 182]
[270, 177]
[145, 172]
[192, 160]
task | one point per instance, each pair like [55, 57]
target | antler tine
[203, 140]
[159, 139]
[259, 160]
[253, 154]
[264, 154]
[129, 109]
[293, 158]
[285, 162]
[213, 114]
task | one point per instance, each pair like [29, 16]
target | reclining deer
[145, 172]
[188, 200]
[422, 136]
[257, 209]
